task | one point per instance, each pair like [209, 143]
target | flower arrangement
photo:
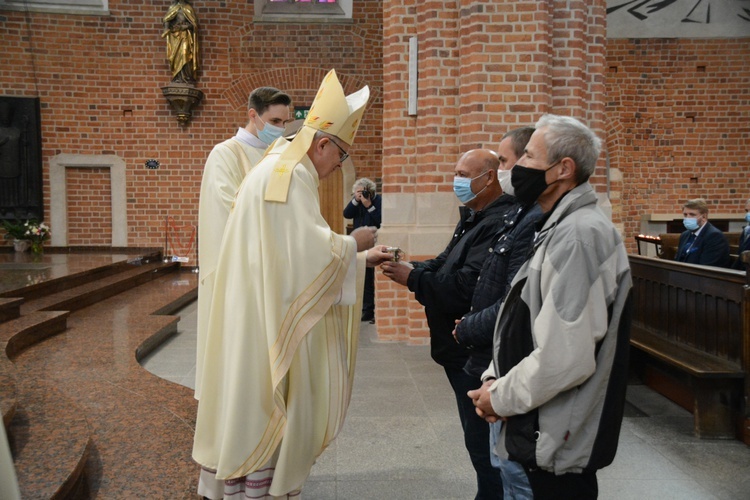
[36, 232]
[31, 231]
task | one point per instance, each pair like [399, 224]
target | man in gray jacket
[559, 370]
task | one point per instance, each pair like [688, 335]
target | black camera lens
[366, 194]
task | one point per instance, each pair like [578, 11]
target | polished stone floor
[22, 269]
[402, 440]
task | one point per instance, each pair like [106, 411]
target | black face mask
[528, 183]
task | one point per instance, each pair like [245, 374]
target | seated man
[744, 244]
[702, 243]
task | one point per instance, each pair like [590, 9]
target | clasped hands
[483, 404]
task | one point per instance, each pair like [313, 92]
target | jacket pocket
[520, 438]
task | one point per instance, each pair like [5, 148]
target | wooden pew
[691, 341]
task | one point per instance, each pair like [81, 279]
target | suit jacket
[709, 249]
[743, 246]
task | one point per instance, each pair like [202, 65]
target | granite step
[10, 308]
[20, 333]
[15, 336]
[84, 295]
[51, 275]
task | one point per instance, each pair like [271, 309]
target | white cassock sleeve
[348, 293]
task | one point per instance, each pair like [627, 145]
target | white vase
[21, 245]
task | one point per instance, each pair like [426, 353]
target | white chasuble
[226, 167]
[280, 353]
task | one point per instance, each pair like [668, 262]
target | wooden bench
[691, 341]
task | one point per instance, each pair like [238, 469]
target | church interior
[104, 134]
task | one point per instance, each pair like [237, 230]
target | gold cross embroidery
[281, 170]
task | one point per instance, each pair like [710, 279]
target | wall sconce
[152, 164]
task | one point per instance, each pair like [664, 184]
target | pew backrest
[703, 307]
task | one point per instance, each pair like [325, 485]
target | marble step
[89, 293]
[15, 336]
[75, 272]
[10, 308]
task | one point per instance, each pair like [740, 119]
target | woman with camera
[364, 210]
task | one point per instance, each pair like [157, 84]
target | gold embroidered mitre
[331, 112]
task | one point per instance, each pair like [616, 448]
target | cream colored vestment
[225, 169]
[280, 354]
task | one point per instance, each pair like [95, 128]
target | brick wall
[89, 200]
[484, 68]
[678, 115]
[99, 79]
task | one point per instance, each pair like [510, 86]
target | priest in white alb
[284, 317]
[226, 167]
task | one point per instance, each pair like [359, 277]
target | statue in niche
[181, 33]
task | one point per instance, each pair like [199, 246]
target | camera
[366, 194]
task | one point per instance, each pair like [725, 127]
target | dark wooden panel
[700, 307]
[20, 158]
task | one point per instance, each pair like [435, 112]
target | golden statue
[181, 32]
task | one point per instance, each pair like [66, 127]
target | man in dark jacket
[364, 210]
[445, 285]
[477, 328]
[701, 243]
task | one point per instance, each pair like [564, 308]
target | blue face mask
[747, 217]
[690, 223]
[269, 133]
[462, 188]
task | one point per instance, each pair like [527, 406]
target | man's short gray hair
[365, 184]
[564, 137]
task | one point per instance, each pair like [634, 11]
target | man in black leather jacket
[445, 285]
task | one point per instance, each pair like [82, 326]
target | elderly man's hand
[377, 255]
[481, 399]
[397, 271]
[365, 201]
[366, 237]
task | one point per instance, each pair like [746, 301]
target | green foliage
[15, 230]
